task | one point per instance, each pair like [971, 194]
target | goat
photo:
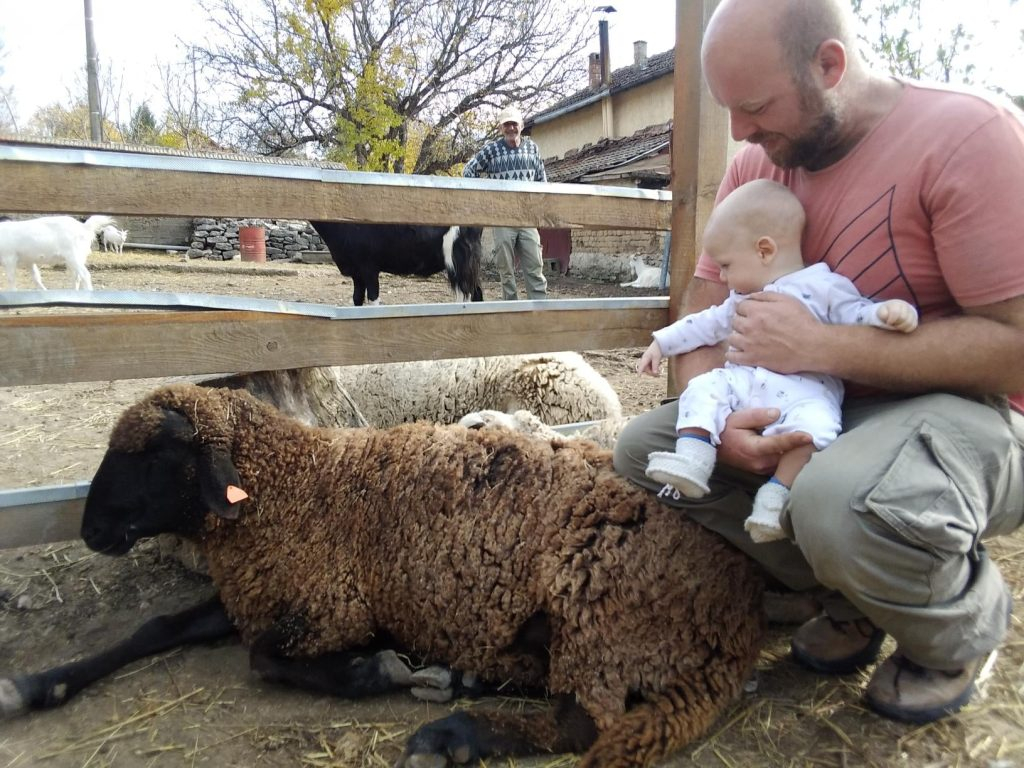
[49, 240]
[363, 251]
[113, 238]
[646, 277]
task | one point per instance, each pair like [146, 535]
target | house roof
[609, 154]
[621, 79]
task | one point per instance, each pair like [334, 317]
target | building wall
[643, 106]
[647, 104]
[570, 131]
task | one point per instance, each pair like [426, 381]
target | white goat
[113, 238]
[646, 277]
[49, 240]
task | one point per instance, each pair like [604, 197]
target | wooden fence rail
[121, 344]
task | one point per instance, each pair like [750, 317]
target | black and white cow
[363, 251]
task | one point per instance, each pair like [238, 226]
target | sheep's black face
[140, 494]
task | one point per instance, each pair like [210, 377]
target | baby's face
[739, 265]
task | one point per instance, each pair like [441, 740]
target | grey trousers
[887, 522]
[525, 241]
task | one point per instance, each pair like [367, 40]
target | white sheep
[113, 238]
[49, 240]
[603, 432]
[646, 277]
[560, 388]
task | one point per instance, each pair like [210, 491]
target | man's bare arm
[980, 352]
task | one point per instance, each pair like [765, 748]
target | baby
[753, 235]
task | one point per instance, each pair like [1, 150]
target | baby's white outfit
[808, 402]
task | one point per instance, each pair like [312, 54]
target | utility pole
[92, 70]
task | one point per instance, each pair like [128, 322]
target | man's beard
[817, 147]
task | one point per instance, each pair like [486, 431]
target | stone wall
[217, 239]
[601, 255]
[618, 241]
[156, 230]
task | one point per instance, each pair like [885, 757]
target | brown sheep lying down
[521, 561]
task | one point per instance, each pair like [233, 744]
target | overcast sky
[43, 59]
[44, 41]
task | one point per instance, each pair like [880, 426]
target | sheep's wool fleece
[560, 388]
[452, 539]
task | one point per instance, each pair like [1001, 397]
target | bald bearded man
[914, 192]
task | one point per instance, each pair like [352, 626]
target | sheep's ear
[219, 485]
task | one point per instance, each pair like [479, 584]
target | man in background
[513, 157]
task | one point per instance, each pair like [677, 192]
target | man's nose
[741, 125]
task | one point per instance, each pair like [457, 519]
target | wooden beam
[34, 187]
[700, 140]
[28, 523]
[57, 349]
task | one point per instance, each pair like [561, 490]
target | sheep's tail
[665, 722]
[98, 222]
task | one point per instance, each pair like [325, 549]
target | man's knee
[629, 457]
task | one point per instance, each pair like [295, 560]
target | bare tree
[192, 120]
[364, 81]
[8, 119]
[905, 49]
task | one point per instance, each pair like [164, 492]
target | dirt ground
[200, 706]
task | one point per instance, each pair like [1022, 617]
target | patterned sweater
[500, 161]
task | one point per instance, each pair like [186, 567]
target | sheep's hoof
[432, 684]
[434, 677]
[422, 761]
[394, 668]
[12, 702]
[453, 737]
[434, 695]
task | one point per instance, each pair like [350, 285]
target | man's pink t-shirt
[928, 207]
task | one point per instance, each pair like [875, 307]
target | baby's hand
[898, 315]
[650, 362]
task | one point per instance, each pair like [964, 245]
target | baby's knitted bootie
[763, 523]
[686, 470]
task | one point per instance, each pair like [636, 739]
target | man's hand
[744, 447]
[650, 362]
[898, 315]
[776, 332]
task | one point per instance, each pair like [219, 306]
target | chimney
[640, 54]
[602, 29]
[595, 71]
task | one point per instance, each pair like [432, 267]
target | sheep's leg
[358, 291]
[201, 623]
[82, 278]
[467, 737]
[37, 278]
[372, 281]
[349, 674]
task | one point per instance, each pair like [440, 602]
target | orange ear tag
[236, 494]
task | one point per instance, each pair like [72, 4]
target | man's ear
[767, 248]
[219, 484]
[830, 62]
